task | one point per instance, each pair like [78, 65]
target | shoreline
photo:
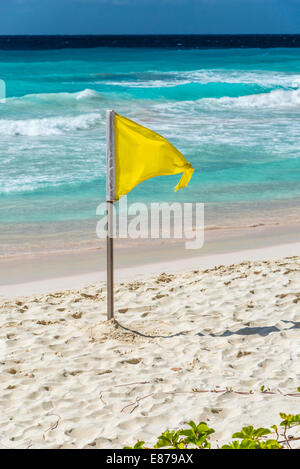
[32, 239]
[48, 273]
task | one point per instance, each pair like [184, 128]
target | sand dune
[69, 379]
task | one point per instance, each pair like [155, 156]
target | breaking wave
[48, 126]
[278, 99]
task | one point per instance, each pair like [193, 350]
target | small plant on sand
[289, 421]
[197, 437]
[251, 438]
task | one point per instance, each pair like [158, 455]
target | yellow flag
[141, 154]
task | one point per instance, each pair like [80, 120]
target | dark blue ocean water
[157, 41]
[233, 112]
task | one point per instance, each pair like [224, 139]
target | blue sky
[149, 16]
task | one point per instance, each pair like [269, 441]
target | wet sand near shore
[42, 272]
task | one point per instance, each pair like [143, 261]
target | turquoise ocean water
[234, 114]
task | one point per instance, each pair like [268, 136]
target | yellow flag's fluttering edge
[140, 154]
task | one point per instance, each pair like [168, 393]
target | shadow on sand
[245, 331]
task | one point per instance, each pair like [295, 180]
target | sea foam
[278, 99]
[48, 126]
[35, 101]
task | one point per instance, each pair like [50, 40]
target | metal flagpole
[110, 195]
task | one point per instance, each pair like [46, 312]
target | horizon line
[149, 34]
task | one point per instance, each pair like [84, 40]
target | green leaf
[139, 445]
[192, 425]
[251, 434]
[170, 439]
[261, 431]
[197, 434]
[244, 444]
[249, 444]
[289, 420]
[233, 445]
[247, 432]
[188, 433]
[269, 444]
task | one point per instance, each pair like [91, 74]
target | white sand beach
[193, 345]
